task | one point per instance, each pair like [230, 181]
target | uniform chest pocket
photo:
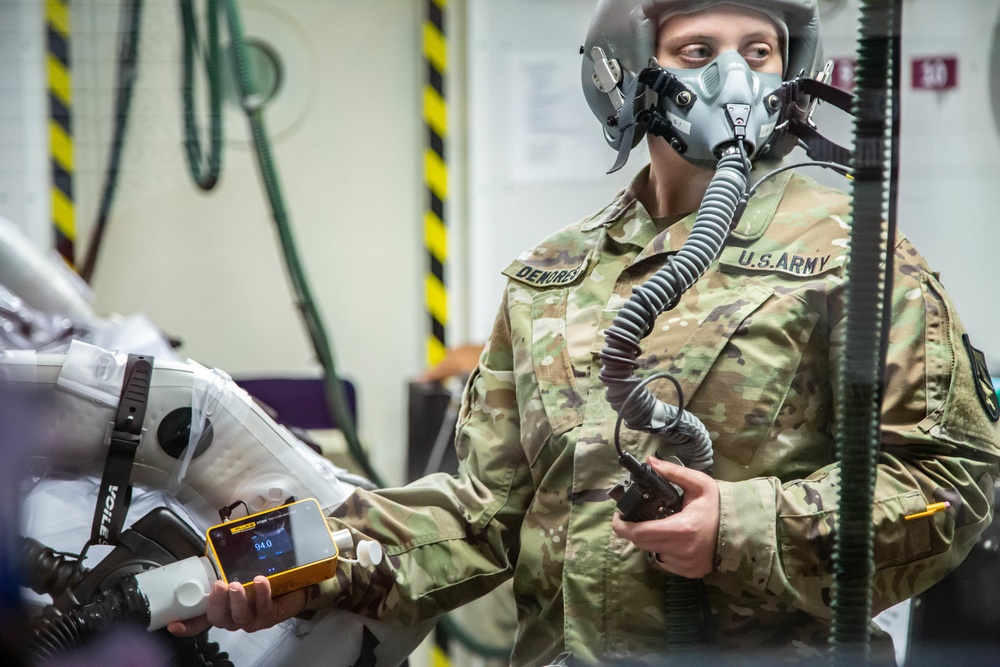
[722, 384]
[554, 371]
[767, 377]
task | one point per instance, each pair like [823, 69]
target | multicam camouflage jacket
[754, 344]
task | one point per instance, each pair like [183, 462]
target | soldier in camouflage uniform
[754, 344]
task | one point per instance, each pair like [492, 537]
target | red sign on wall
[935, 72]
[842, 75]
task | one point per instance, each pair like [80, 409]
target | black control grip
[643, 495]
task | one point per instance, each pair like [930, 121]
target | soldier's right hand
[233, 607]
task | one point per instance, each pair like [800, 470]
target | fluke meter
[291, 545]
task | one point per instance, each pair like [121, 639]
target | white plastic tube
[178, 591]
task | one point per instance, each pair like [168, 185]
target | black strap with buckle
[817, 146]
[125, 435]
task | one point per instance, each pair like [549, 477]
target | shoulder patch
[983, 381]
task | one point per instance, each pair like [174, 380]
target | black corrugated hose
[861, 373]
[128, 59]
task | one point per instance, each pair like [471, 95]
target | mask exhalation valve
[739, 116]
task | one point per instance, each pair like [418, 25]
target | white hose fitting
[178, 591]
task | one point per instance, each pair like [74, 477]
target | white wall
[24, 166]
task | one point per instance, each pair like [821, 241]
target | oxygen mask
[715, 106]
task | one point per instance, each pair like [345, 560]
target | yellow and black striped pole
[60, 126]
[436, 178]
[435, 230]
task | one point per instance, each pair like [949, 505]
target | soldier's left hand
[685, 542]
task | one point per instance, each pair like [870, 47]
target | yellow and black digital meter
[291, 545]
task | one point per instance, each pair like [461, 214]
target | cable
[839, 168]
[636, 395]
[205, 177]
[130, 17]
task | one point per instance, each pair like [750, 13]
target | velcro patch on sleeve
[983, 381]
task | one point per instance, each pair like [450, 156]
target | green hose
[860, 377]
[205, 175]
[251, 102]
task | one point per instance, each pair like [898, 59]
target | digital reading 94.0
[291, 545]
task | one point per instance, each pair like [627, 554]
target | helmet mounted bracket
[607, 77]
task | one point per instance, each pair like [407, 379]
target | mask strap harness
[817, 146]
[660, 82]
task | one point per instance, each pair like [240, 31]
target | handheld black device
[643, 495]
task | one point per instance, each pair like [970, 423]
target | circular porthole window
[283, 60]
[266, 66]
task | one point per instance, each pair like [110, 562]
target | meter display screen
[272, 542]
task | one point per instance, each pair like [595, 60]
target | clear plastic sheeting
[25, 328]
[43, 281]
[246, 456]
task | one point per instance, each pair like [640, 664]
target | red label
[935, 73]
[843, 73]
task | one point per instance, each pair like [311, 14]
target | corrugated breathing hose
[130, 20]
[644, 412]
[204, 170]
[639, 408]
[860, 378]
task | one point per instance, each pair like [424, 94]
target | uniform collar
[628, 222]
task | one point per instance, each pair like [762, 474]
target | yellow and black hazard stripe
[60, 126]
[439, 652]
[436, 177]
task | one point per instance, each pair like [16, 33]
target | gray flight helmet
[621, 42]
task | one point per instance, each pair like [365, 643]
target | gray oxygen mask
[731, 101]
